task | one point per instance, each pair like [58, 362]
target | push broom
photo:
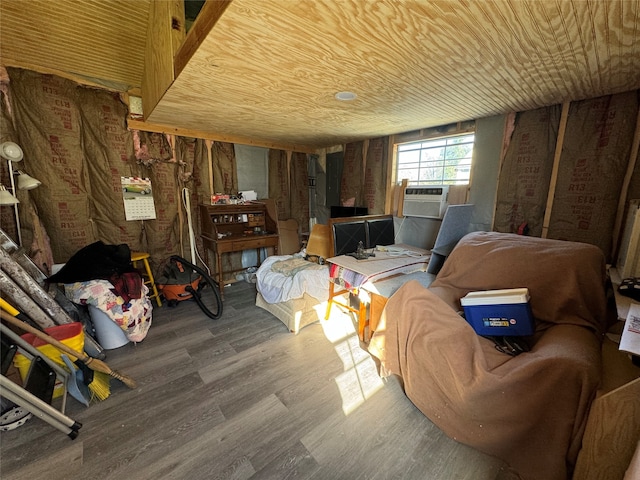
[98, 387]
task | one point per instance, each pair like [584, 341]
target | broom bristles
[99, 387]
[93, 363]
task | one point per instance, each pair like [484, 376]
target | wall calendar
[138, 198]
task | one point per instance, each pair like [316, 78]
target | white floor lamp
[6, 197]
[13, 153]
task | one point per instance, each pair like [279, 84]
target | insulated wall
[523, 184]
[375, 175]
[563, 178]
[592, 167]
[76, 142]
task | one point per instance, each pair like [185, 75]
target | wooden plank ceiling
[268, 71]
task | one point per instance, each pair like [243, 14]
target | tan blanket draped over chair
[529, 410]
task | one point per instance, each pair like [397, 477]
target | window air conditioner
[427, 202]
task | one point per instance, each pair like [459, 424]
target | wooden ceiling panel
[268, 70]
[102, 41]
[272, 72]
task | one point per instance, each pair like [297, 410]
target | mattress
[295, 313]
[285, 277]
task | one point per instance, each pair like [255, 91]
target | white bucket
[56, 267]
[108, 333]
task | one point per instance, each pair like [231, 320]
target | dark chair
[347, 235]
[455, 225]
[380, 231]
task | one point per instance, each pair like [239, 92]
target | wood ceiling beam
[165, 32]
[241, 140]
[211, 12]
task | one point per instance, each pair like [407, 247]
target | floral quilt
[134, 316]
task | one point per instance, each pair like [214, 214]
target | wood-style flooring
[242, 398]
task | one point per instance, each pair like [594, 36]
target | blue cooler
[499, 312]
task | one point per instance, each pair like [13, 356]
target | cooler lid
[496, 297]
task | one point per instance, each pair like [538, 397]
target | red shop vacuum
[182, 280]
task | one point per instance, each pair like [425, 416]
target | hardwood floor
[242, 398]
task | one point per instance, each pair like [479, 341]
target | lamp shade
[27, 182]
[11, 151]
[6, 198]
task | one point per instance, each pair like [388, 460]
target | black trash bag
[95, 261]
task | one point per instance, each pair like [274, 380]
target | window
[441, 161]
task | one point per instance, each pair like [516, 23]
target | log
[18, 299]
[33, 289]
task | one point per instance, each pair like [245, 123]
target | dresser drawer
[255, 243]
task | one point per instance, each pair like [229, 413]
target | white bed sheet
[276, 287]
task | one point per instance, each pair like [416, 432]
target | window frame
[440, 163]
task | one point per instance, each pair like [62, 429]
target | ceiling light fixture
[346, 96]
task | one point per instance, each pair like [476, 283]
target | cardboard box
[499, 312]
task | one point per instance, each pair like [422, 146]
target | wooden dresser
[233, 228]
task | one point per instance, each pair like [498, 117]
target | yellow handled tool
[11, 310]
[7, 307]
[92, 363]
